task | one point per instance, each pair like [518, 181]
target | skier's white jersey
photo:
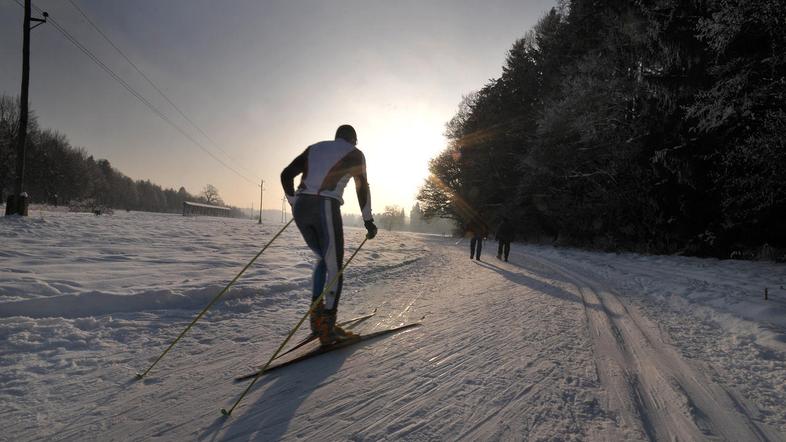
[327, 167]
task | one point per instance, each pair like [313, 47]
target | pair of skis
[328, 348]
[349, 324]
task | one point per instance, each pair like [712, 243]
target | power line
[154, 86]
[142, 99]
[133, 92]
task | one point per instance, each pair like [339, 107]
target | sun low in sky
[263, 80]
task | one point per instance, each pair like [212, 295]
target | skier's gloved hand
[371, 229]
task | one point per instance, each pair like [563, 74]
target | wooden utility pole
[261, 193]
[17, 203]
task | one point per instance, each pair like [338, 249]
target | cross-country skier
[504, 236]
[478, 230]
[326, 168]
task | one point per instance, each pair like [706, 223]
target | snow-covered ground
[557, 344]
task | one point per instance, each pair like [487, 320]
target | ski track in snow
[558, 344]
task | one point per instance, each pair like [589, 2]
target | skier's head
[347, 133]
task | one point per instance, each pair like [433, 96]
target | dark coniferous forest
[59, 173]
[653, 126]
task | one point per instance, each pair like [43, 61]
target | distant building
[193, 209]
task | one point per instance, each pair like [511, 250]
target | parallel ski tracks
[648, 383]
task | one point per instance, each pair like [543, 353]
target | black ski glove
[371, 228]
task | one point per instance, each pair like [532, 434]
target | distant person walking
[504, 236]
[326, 168]
[477, 230]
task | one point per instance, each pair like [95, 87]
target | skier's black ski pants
[475, 246]
[504, 247]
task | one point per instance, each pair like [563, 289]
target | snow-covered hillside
[557, 344]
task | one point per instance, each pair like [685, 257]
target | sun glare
[397, 153]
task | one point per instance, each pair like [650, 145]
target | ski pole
[226, 412]
[220, 294]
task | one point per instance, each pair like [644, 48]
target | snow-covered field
[557, 344]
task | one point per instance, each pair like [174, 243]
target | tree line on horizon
[394, 217]
[58, 173]
[653, 126]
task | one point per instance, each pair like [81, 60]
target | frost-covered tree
[654, 125]
[392, 217]
[210, 195]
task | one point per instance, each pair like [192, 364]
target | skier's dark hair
[346, 132]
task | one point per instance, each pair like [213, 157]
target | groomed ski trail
[541, 348]
[646, 381]
[500, 355]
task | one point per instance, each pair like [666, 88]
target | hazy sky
[264, 79]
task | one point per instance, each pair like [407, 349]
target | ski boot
[344, 335]
[323, 326]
